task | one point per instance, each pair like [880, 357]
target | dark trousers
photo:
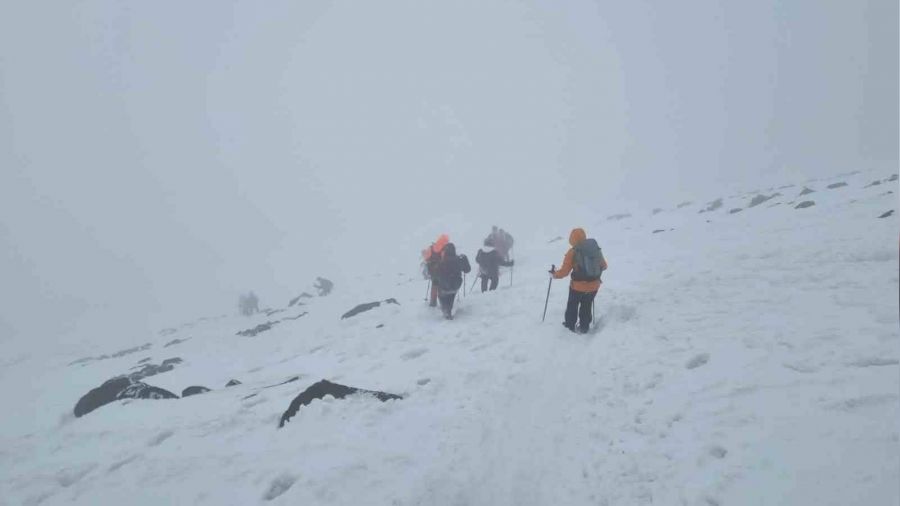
[494, 279]
[579, 308]
[447, 299]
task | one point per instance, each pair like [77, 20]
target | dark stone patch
[144, 360]
[805, 204]
[832, 186]
[173, 342]
[714, 205]
[806, 191]
[735, 210]
[684, 204]
[887, 213]
[759, 199]
[659, 230]
[323, 286]
[892, 178]
[295, 317]
[380, 325]
[270, 312]
[193, 390]
[117, 354]
[262, 327]
[279, 486]
[773, 205]
[232, 383]
[122, 387]
[325, 387]
[873, 183]
[296, 299]
[362, 308]
[285, 382]
[785, 187]
[617, 217]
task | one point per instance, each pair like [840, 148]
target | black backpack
[587, 264]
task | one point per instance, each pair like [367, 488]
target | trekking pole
[512, 269]
[464, 284]
[552, 268]
[428, 289]
[473, 283]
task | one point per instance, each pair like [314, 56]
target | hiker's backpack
[588, 261]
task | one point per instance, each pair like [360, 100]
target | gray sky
[156, 158]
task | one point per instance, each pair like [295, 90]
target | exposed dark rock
[380, 325]
[684, 204]
[270, 312]
[362, 308]
[887, 213]
[873, 183]
[194, 390]
[759, 199]
[173, 360]
[616, 217]
[785, 187]
[805, 204]
[118, 354]
[806, 191]
[323, 286]
[232, 383]
[296, 299]
[121, 387]
[735, 210]
[892, 178]
[325, 387]
[173, 342]
[775, 204]
[285, 382]
[144, 360]
[262, 327]
[832, 186]
[712, 206]
[659, 230]
[295, 317]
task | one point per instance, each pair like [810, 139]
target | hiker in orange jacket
[585, 262]
[432, 257]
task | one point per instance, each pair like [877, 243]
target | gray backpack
[588, 261]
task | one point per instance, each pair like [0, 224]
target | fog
[158, 158]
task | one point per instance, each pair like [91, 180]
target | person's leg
[494, 280]
[484, 283]
[434, 294]
[445, 303]
[571, 310]
[584, 313]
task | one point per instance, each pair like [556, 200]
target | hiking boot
[571, 328]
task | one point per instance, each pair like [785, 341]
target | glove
[552, 270]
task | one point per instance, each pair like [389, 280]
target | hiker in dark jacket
[583, 288]
[448, 275]
[489, 262]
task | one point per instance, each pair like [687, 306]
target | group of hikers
[583, 262]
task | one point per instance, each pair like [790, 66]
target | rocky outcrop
[325, 387]
[362, 308]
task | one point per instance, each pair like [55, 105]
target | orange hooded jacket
[576, 236]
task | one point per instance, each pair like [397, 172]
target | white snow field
[738, 358]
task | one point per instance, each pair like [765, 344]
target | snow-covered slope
[739, 358]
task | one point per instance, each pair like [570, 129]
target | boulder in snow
[806, 191]
[262, 327]
[805, 204]
[832, 186]
[193, 390]
[232, 383]
[362, 308]
[887, 213]
[118, 388]
[735, 210]
[336, 390]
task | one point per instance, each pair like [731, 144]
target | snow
[747, 358]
